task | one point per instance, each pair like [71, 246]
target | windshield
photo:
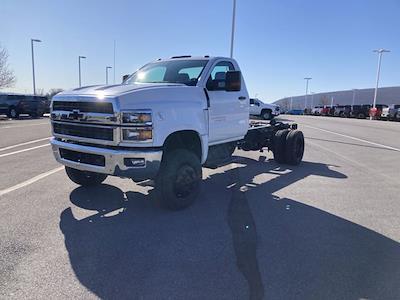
[180, 71]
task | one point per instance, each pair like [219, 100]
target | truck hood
[114, 90]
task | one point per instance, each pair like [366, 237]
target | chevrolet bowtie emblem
[75, 115]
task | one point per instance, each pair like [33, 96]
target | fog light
[135, 162]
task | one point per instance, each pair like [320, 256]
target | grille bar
[95, 107]
[92, 132]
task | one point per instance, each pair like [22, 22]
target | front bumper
[114, 160]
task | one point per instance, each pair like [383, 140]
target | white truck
[266, 111]
[164, 122]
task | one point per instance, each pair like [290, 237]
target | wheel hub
[185, 182]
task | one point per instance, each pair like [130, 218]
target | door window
[217, 79]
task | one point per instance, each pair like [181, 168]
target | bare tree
[53, 92]
[7, 78]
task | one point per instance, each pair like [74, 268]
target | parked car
[378, 111]
[325, 110]
[392, 112]
[13, 105]
[342, 111]
[316, 111]
[264, 110]
[295, 112]
[338, 110]
[360, 111]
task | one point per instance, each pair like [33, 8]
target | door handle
[242, 98]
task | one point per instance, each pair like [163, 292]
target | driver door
[229, 110]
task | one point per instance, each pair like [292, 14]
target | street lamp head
[36, 40]
[108, 67]
[307, 78]
[381, 50]
[82, 56]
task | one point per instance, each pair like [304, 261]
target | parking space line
[23, 144]
[23, 150]
[30, 181]
[353, 138]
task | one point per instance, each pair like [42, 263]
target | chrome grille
[90, 132]
[93, 107]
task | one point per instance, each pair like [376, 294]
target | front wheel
[13, 113]
[179, 179]
[85, 178]
[266, 115]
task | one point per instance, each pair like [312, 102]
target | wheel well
[185, 139]
[266, 109]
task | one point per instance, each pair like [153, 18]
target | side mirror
[233, 81]
[125, 77]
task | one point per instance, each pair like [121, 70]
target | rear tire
[279, 146]
[294, 147]
[85, 178]
[179, 179]
[13, 113]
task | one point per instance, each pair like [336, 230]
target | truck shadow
[283, 249]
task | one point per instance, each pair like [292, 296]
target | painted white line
[354, 138]
[361, 165]
[23, 144]
[30, 181]
[26, 125]
[23, 150]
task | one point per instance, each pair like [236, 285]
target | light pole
[233, 26]
[305, 97]
[354, 98]
[380, 52]
[291, 103]
[33, 64]
[79, 63]
[312, 99]
[107, 74]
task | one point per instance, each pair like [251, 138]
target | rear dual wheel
[288, 146]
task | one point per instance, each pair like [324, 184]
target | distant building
[386, 95]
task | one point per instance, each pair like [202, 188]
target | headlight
[137, 134]
[141, 126]
[137, 117]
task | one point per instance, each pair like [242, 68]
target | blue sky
[277, 42]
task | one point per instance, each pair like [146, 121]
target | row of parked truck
[14, 105]
[381, 111]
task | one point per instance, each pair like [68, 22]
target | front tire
[13, 113]
[85, 178]
[266, 115]
[179, 179]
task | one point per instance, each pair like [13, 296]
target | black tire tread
[279, 146]
[85, 178]
[293, 137]
[165, 179]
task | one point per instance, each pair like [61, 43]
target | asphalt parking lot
[327, 229]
